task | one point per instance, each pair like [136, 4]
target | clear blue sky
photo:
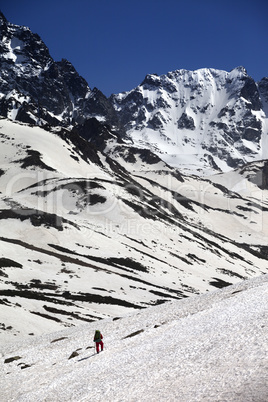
[113, 44]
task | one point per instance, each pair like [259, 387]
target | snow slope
[211, 347]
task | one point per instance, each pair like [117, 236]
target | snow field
[205, 348]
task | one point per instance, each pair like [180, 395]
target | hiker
[98, 340]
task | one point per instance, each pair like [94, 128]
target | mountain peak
[44, 91]
[194, 114]
[152, 79]
[240, 69]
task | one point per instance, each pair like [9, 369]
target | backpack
[97, 337]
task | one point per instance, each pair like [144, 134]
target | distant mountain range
[202, 121]
[109, 205]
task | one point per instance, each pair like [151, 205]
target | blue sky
[113, 44]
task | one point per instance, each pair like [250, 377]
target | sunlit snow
[206, 348]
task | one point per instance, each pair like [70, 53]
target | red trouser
[98, 344]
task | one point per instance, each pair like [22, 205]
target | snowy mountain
[202, 121]
[94, 222]
[37, 90]
[206, 348]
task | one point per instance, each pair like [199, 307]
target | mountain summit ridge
[202, 122]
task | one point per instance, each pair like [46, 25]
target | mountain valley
[109, 205]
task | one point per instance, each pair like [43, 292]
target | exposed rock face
[263, 88]
[251, 94]
[186, 122]
[97, 133]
